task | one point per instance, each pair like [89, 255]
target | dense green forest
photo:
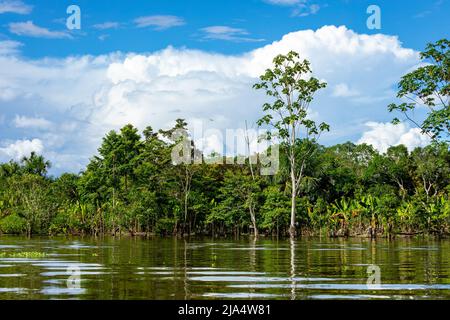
[132, 186]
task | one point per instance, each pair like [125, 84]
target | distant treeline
[133, 187]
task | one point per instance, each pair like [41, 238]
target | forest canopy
[133, 187]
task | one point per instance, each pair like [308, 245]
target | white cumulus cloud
[86, 96]
[343, 90]
[384, 135]
[30, 122]
[21, 148]
[9, 47]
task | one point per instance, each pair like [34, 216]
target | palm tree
[35, 164]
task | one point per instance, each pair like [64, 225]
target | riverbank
[307, 234]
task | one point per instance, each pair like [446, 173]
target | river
[169, 268]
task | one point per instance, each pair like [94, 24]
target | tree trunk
[292, 231]
[253, 218]
[186, 195]
[278, 229]
[251, 207]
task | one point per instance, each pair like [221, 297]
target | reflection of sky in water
[62, 291]
[243, 295]
[170, 268]
[345, 286]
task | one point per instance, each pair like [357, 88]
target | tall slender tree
[290, 85]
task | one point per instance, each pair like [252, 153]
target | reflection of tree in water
[293, 284]
[252, 259]
[185, 282]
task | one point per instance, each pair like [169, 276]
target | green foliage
[291, 88]
[165, 226]
[293, 94]
[235, 195]
[275, 210]
[429, 85]
[13, 224]
[30, 200]
[26, 254]
[347, 189]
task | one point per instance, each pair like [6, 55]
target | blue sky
[149, 62]
[414, 21]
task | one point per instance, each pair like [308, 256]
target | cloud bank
[82, 98]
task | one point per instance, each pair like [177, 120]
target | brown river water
[169, 268]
